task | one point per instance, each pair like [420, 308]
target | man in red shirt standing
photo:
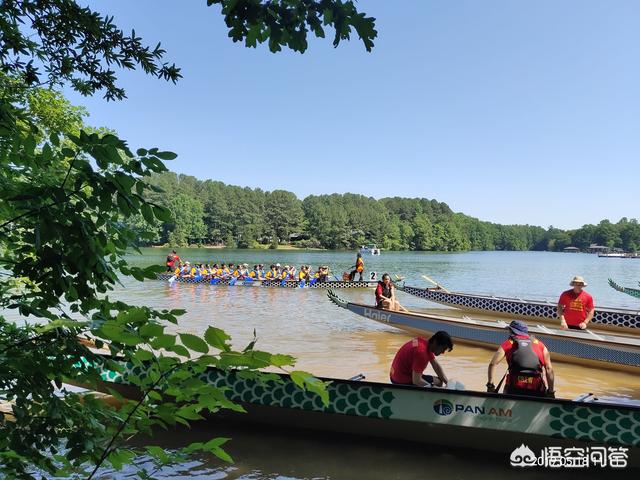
[413, 357]
[172, 259]
[575, 307]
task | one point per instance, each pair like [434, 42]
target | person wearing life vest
[302, 274]
[413, 358]
[272, 274]
[186, 270]
[172, 259]
[359, 268]
[575, 307]
[322, 274]
[527, 359]
[386, 295]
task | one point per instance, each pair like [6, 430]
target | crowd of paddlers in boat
[242, 271]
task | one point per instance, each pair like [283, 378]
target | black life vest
[524, 359]
[386, 290]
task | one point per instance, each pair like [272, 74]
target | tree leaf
[217, 338]
[194, 343]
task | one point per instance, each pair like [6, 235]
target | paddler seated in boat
[304, 274]
[241, 271]
[527, 358]
[358, 268]
[186, 270]
[575, 307]
[413, 358]
[322, 274]
[224, 271]
[272, 274]
[386, 295]
[284, 274]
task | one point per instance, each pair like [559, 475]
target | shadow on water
[262, 453]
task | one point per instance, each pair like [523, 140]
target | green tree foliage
[73, 200]
[283, 214]
[244, 217]
[188, 224]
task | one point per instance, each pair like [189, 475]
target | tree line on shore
[211, 212]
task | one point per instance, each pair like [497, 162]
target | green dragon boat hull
[428, 415]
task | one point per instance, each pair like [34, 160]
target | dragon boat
[616, 352]
[453, 418]
[611, 319]
[634, 292]
[266, 283]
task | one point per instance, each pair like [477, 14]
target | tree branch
[107, 450]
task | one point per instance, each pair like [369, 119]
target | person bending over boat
[527, 358]
[386, 295]
[575, 307]
[413, 358]
[358, 268]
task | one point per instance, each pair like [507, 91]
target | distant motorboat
[616, 255]
[372, 249]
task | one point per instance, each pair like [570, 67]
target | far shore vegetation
[211, 213]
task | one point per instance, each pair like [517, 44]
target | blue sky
[513, 112]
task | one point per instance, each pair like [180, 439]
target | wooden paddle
[430, 280]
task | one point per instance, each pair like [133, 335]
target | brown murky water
[332, 342]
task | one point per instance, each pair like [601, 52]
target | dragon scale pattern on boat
[529, 309]
[562, 420]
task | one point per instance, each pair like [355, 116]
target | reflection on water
[261, 453]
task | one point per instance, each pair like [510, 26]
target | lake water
[333, 342]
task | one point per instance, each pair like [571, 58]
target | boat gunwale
[623, 311]
[567, 335]
[444, 391]
[288, 283]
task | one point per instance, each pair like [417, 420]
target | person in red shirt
[413, 357]
[575, 307]
[527, 358]
[386, 295]
[172, 259]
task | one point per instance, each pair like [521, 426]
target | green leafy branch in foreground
[64, 202]
[67, 194]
